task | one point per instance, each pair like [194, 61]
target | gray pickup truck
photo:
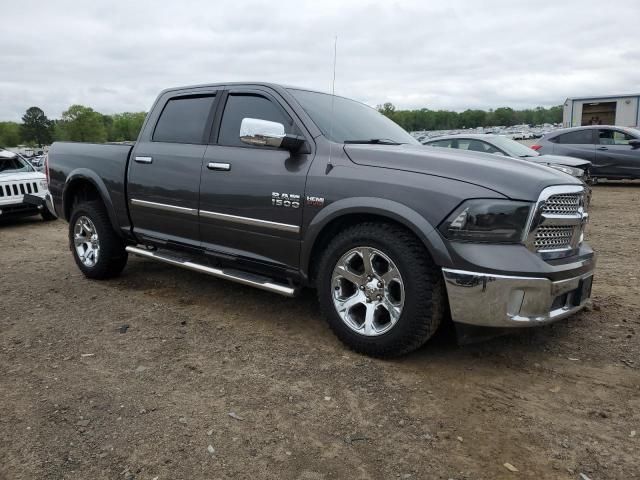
[282, 188]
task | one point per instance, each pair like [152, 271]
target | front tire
[97, 249]
[379, 290]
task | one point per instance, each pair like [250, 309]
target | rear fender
[81, 176]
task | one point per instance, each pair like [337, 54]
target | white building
[621, 110]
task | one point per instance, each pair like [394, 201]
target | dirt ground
[169, 374]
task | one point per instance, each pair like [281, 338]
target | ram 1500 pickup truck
[282, 188]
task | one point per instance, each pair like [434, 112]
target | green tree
[387, 109]
[81, 124]
[9, 134]
[36, 127]
[126, 126]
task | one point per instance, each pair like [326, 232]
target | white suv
[23, 191]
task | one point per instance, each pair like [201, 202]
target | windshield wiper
[374, 141]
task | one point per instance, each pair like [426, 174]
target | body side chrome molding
[164, 206]
[256, 222]
[238, 276]
[285, 227]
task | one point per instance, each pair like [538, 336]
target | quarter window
[183, 120]
[248, 106]
[578, 137]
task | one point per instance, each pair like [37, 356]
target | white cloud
[116, 56]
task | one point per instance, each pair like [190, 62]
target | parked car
[282, 188]
[613, 151]
[500, 145]
[23, 191]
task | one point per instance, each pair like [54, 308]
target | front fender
[380, 207]
[86, 175]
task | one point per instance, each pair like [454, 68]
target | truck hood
[516, 179]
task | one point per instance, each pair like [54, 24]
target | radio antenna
[333, 96]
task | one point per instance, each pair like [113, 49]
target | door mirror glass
[254, 131]
[635, 143]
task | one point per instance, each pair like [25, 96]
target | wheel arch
[344, 213]
[86, 184]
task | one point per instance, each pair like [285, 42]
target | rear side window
[248, 106]
[441, 143]
[475, 146]
[579, 137]
[183, 120]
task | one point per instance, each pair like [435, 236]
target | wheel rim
[85, 240]
[367, 291]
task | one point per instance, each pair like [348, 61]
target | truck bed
[104, 164]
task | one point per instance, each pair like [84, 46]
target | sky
[116, 56]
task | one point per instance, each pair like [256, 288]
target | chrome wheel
[368, 292]
[85, 241]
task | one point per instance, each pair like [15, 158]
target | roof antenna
[333, 95]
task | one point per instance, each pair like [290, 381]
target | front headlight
[43, 185]
[574, 172]
[487, 221]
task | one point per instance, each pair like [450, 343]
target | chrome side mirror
[254, 131]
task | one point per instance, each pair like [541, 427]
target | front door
[251, 197]
[615, 157]
[165, 168]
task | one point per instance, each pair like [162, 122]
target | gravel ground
[168, 374]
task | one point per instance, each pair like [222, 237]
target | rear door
[614, 156]
[251, 197]
[166, 164]
[576, 143]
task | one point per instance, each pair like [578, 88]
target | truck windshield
[351, 122]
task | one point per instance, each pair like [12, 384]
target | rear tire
[97, 249]
[404, 290]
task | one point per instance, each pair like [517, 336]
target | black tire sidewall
[111, 247]
[416, 283]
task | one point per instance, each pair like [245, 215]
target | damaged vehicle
[23, 190]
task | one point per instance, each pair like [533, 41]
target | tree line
[83, 124]
[425, 119]
[78, 124]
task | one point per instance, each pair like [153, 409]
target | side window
[183, 120]
[613, 137]
[248, 106]
[441, 143]
[477, 146]
[578, 137]
[488, 148]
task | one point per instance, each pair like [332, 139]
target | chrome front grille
[557, 224]
[552, 237]
[562, 204]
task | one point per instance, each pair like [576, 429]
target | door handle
[221, 167]
[603, 148]
[144, 159]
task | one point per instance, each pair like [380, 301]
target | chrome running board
[238, 276]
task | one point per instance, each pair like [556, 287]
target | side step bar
[238, 276]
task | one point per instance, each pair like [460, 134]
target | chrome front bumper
[489, 300]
